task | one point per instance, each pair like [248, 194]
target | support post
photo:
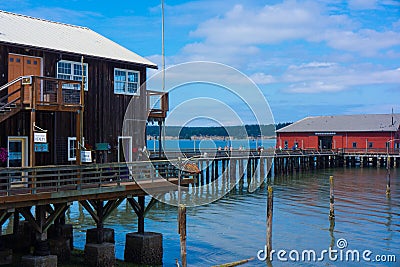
[160, 138]
[182, 233]
[331, 199]
[141, 215]
[388, 177]
[270, 203]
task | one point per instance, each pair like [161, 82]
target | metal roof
[345, 123]
[40, 33]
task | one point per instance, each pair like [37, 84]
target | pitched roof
[346, 123]
[40, 33]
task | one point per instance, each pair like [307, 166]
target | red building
[374, 132]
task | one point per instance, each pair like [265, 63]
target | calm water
[233, 228]
[208, 143]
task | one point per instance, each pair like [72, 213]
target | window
[286, 144]
[370, 145]
[126, 82]
[69, 70]
[354, 144]
[71, 148]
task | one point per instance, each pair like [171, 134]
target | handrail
[11, 83]
[44, 179]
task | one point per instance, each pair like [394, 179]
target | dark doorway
[325, 142]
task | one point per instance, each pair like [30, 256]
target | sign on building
[86, 156]
[42, 147]
[40, 137]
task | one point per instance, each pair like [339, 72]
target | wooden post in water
[269, 221]
[331, 199]
[182, 233]
[388, 176]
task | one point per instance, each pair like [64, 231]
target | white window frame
[127, 82]
[69, 148]
[71, 74]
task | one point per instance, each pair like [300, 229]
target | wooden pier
[41, 195]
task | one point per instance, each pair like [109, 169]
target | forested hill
[235, 131]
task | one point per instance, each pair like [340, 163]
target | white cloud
[366, 41]
[246, 31]
[323, 77]
[363, 4]
[262, 78]
[270, 25]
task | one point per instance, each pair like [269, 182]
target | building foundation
[144, 248]
[100, 255]
[5, 256]
[100, 235]
[39, 261]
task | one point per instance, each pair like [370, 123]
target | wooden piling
[269, 221]
[182, 232]
[388, 177]
[331, 199]
[207, 172]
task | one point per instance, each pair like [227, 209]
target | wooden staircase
[12, 107]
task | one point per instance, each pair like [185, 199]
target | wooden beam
[135, 205]
[26, 212]
[89, 209]
[152, 202]
[60, 209]
[49, 209]
[110, 208]
[4, 215]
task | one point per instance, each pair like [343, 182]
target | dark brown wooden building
[42, 65]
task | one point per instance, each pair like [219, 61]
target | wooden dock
[41, 195]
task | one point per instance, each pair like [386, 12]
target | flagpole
[163, 63]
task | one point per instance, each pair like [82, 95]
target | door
[124, 148]
[17, 156]
[19, 65]
[325, 142]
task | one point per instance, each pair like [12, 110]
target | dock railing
[48, 179]
[157, 104]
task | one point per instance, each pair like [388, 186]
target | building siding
[104, 110]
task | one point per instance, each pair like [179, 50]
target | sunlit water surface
[234, 228]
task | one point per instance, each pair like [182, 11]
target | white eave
[39, 33]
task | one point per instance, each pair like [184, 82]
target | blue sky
[308, 58]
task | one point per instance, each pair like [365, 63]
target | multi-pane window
[71, 148]
[70, 70]
[126, 82]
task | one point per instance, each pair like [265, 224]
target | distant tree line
[233, 131]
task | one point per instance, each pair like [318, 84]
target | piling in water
[269, 221]
[388, 177]
[182, 232]
[331, 199]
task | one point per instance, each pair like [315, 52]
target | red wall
[340, 140]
